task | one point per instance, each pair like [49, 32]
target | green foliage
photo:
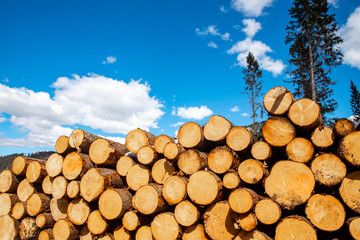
[354, 99]
[7, 160]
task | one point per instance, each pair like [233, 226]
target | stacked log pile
[300, 181]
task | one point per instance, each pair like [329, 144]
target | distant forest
[6, 161]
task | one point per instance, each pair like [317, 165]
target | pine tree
[354, 99]
[252, 74]
[314, 51]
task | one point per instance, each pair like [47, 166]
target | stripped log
[147, 155]
[138, 138]
[251, 171]
[242, 200]
[343, 127]
[144, 233]
[277, 101]
[278, 131]
[36, 171]
[8, 181]
[350, 191]
[114, 202]
[25, 190]
[7, 201]
[81, 140]
[45, 220]
[165, 227]
[194, 232]
[295, 228]
[19, 211]
[21, 163]
[328, 169]
[96, 223]
[75, 165]
[28, 228]
[46, 234]
[58, 208]
[231, 180]
[65, 230]
[221, 159]
[54, 165]
[124, 164]
[261, 151]
[106, 152]
[186, 213]
[267, 211]
[37, 203]
[133, 219]
[173, 150]
[59, 187]
[239, 139]
[9, 229]
[121, 233]
[78, 211]
[162, 170]
[323, 138]
[247, 221]
[349, 148]
[62, 146]
[305, 114]
[161, 141]
[191, 161]
[174, 189]
[73, 189]
[252, 235]
[137, 176]
[148, 199]
[217, 128]
[191, 135]
[353, 227]
[300, 150]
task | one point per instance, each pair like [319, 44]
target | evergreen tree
[314, 51]
[252, 74]
[354, 99]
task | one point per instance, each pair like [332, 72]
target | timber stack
[301, 180]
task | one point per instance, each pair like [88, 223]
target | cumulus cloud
[178, 124]
[235, 109]
[110, 105]
[213, 31]
[110, 60]
[253, 8]
[245, 114]
[334, 3]
[196, 113]
[350, 33]
[222, 9]
[212, 44]
[251, 27]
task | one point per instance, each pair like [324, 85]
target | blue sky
[111, 66]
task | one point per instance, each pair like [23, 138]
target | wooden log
[58, 208]
[343, 127]
[97, 180]
[218, 221]
[46, 234]
[59, 187]
[114, 202]
[21, 163]
[7, 201]
[148, 200]
[231, 180]
[191, 135]
[137, 138]
[305, 114]
[221, 159]
[73, 189]
[25, 190]
[353, 227]
[162, 170]
[9, 229]
[28, 228]
[124, 164]
[217, 128]
[47, 185]
[267, 211]
[81, 140]
[96, 223]
[78, 211]
[85, 234]
[323, 138]
[239, 139]
[174, 189]
[106, 152]
[62, 146]
[300, 150]
[65, 230]
[247, 221]
[242, 200]
[54, 165]
[186, 213]
[132, 220]
[19, 211]
[161, 141]
[106, 236]
[194, 232]
[349, 148]
[121, 233]
[8, 181]
[290, 183]
[173, 150]
[328, 169]
[350, 191]
[292, 227]
[147, 155]
[165, 227]
[261, 151]
[252, 235]
[137, 176]
[144, 233]
[278, 131]
[45, 220]
[191, 161]
[278, 100]
[36, 171]
[325, 212]
[37, 203]
[75, 165]
[251, 171]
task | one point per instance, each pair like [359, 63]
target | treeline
[7, 160]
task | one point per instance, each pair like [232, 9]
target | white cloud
[235, 109]
[222, 9]
[251, 27]
[225, 36]
[334, 3]
[196, 113]
[2, 119]
[110, 60]
[213, 31]
[253, 8]
[95, 101]
[178, 124]
[212, 44]
[245, 114]
[350, 33]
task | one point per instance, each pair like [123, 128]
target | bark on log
[174, 189]
[25, 190]
[300, 150]
[45, 220]
[54, 165]
[239, 139]
[28, 228]
[267, 211]
[124, 164]
[62, 146]
[161, 141]
[137, 138]
[9, 229]
[261, 151]
[350, 191]
[121, 233]
[217, 128]
[242, 200]
[278, 131]
[46, 234]
[251, 171]
[305, 114]
[114, 202]
[37, 203]
[252, 235]
[194, 232]
[295, 228]
[165, 227]
[106, 152]
[186, 213]
[148, 200]
[7, 201]
[8, 181]
[191, 161]
[191, 135]
[221, 159]
[328, 169]
[349, 148]
[78, 211]
[231, 180]
[36, 171]
[147, 155]
[323, 138]
[173, 150]
[59, 187]
[21, 163]
[343, 127]
[73, 189]
[81, 140]
[75, 165]
[247, 221]
[353, 227]
[47, 185]
[96, 223]
[162, 170]
[19, 210]
[278, 100]
[58, 208]
[144, 233]
[65, 230]
[137, 176]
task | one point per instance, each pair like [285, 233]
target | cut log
[75, 165]
[221, 159]
[28, 228]
[47, 185]
[161, 141]
[165, 227]
[59, 187]
[252, 235]
[96, 181]
[65, 230]
[147, 155]
[162, 170]
[114, 202]
[148, 200]
[73, 189]
[62, 146]
[251, 171]
[137, 138]
[124, 164]
[325, 212]
[217, 128]
[96, 223]
[45, 220]
[9, 229]
[144, 233]
[54, 165]
[133, 220]
[231, 180]
[8, 182]
[19, 210]
[191, 161]
[278, 100]
[323, 138]
[290, 183]
[204, 187]
[247, 221]
[106, 152]
[295, 228]
[174, 189]
[106, 236]
[305, 114]
[219, 221]
[137, 176]
[21, 163]
[81, 140]
[58, 208]
[353, 227]
[343, 127]
[173, 150]
[328, 169]
[85, 234]
[267, 211]
[78, 211]
[36, 171]
[300, 150]
[350, 191]
[278, 131]
[186, 213]
[37, 203]
[25, 190]
[242, 200]
[7, 201]
[261, 150]
[191, 135]
[121, 233]
[239, 139]
[46, 234]
[194, 232]
[349, 148]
